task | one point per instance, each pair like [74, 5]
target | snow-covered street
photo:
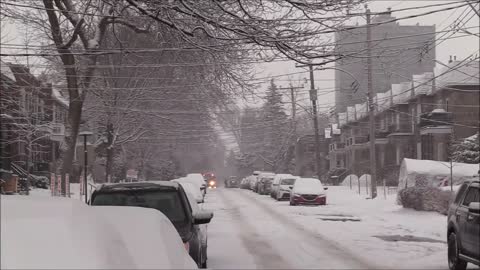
[253, 231]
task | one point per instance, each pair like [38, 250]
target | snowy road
[248, 233]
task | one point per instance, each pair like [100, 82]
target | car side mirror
[202, 217]
[325, 188]
[290, 187]
[474, 207]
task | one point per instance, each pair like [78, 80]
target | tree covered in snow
[276, 128]
[467, 151]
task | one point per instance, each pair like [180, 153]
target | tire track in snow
[326, 248]
[259, 249]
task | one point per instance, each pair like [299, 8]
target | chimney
[454, 58]
[450, 61]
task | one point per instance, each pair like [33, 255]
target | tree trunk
[74, 118]
[110, 152]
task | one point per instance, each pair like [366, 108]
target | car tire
[454, 262]
[292, 203]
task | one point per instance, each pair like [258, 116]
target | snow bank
[414, 172]
[353, 178]
[61, 233]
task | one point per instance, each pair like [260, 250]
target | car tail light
[187, 246]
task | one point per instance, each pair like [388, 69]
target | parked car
[252, 180]
[232, 182]
[308, 191]
[90, 237]
[244, 184]
[166, 196]
[202, 230]
[189, 187]
[259, 178]
[463, 231]
[276, 183]
[264, 185]
[198, 180]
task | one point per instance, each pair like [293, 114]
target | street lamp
[85, 134]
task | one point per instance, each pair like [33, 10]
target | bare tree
[78, 28]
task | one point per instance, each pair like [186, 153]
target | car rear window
[167, 202]
[288, 181]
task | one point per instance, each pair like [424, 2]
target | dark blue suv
[464, 227]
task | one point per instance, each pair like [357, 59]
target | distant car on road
[308, 191]
[166, 196]
[232, 182]
[463, 231]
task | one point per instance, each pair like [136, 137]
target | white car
[308, 191]
[275, 183]
[192, 189]
[73, 235]
[282, 183]
[252, 180]
[199, 180]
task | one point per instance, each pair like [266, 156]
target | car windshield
[167, 202]
[288, 181]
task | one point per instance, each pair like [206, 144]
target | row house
[416, 119]
[33, 116]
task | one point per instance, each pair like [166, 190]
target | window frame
[466, 193]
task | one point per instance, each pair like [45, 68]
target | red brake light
[187, 246]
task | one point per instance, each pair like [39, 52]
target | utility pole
[371, 94]
[313, 98]
[294, 110]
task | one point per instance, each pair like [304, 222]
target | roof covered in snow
[6, 71]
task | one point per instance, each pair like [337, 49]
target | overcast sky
[461, 47]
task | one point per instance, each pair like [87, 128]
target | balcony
[337, 147]
[436, 122]
[402, 129]
[356, 141]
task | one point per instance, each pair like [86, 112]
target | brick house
[415, 119]
[32, 113]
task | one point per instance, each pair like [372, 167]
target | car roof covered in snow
[139, 185]
[72, 235]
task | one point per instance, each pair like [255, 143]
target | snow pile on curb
[425, 199]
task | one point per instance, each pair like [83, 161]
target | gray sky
[461, 47]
